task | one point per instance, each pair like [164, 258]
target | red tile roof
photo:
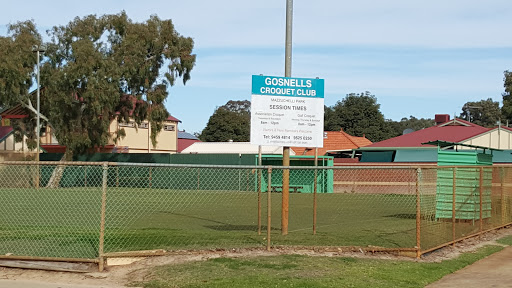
[15, 112]
[507, 128]
[5, 131]
[335, 140]
[53, 148]
[455, 130]
[135, 101]
[171, 118]
[184, 143]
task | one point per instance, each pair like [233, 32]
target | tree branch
[31, 108]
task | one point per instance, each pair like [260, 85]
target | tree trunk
[54, 181]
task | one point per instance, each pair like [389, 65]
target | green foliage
[95, 62]
[307, 271]
[231, 121]
[506, 110]
[484, 112]
[18, 62]
[358, 115]
[410, 123]
[96, 69]
[25, 127]
[16, 75]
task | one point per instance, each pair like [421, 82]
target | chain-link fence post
[198, 178]
[259, 201]
[285, 202]
[503, 206]
[418, 213]
[85, 176]
[453, 203]
[269, 206]
[102, 223]
[38, 171]
[481, 190]
[259, 189]
[315, 191]
[150, 176]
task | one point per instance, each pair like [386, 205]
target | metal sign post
[286, 149]
[287, 112]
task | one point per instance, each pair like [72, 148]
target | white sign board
[287, 111]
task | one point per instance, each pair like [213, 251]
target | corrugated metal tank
[467, 185]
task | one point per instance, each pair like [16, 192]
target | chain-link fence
[88, 211]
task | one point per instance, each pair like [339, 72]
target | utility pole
[286, 150]
[38, 49]
[468, 110]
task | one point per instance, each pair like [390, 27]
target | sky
[419, 58]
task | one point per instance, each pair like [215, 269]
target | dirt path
[493, 271]
[497, 267]
[40, 284]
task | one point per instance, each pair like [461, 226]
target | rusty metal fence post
[259, 189]
[150, 177]
[198, 178]
[418, 213]
[269, 206]
[481, 192]
[101, 259]
[315, 191]
[259, 201]
[454, 198]
[503, 206]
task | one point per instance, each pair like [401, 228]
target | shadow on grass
[402, 216]
[229, 227]
[410, 216]
[222, 226]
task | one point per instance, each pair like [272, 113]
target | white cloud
[418, 57]
[226, 23]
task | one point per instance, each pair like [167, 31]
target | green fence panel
[467, 193]
[207, 159]
[162, 158]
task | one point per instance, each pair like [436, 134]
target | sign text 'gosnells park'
[287, 111]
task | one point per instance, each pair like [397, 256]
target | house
[336, 143]
[231, 148]
[411, 148]
[185, 139]
[137, 139]
[9, 148]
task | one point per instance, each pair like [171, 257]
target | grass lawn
[65, 222]
[307, 271]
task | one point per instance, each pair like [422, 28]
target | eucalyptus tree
[17, 75]
[506, 109]
[96, 69]
[100, 68]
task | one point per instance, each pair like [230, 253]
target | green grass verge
[507, 240]
[307, 271]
